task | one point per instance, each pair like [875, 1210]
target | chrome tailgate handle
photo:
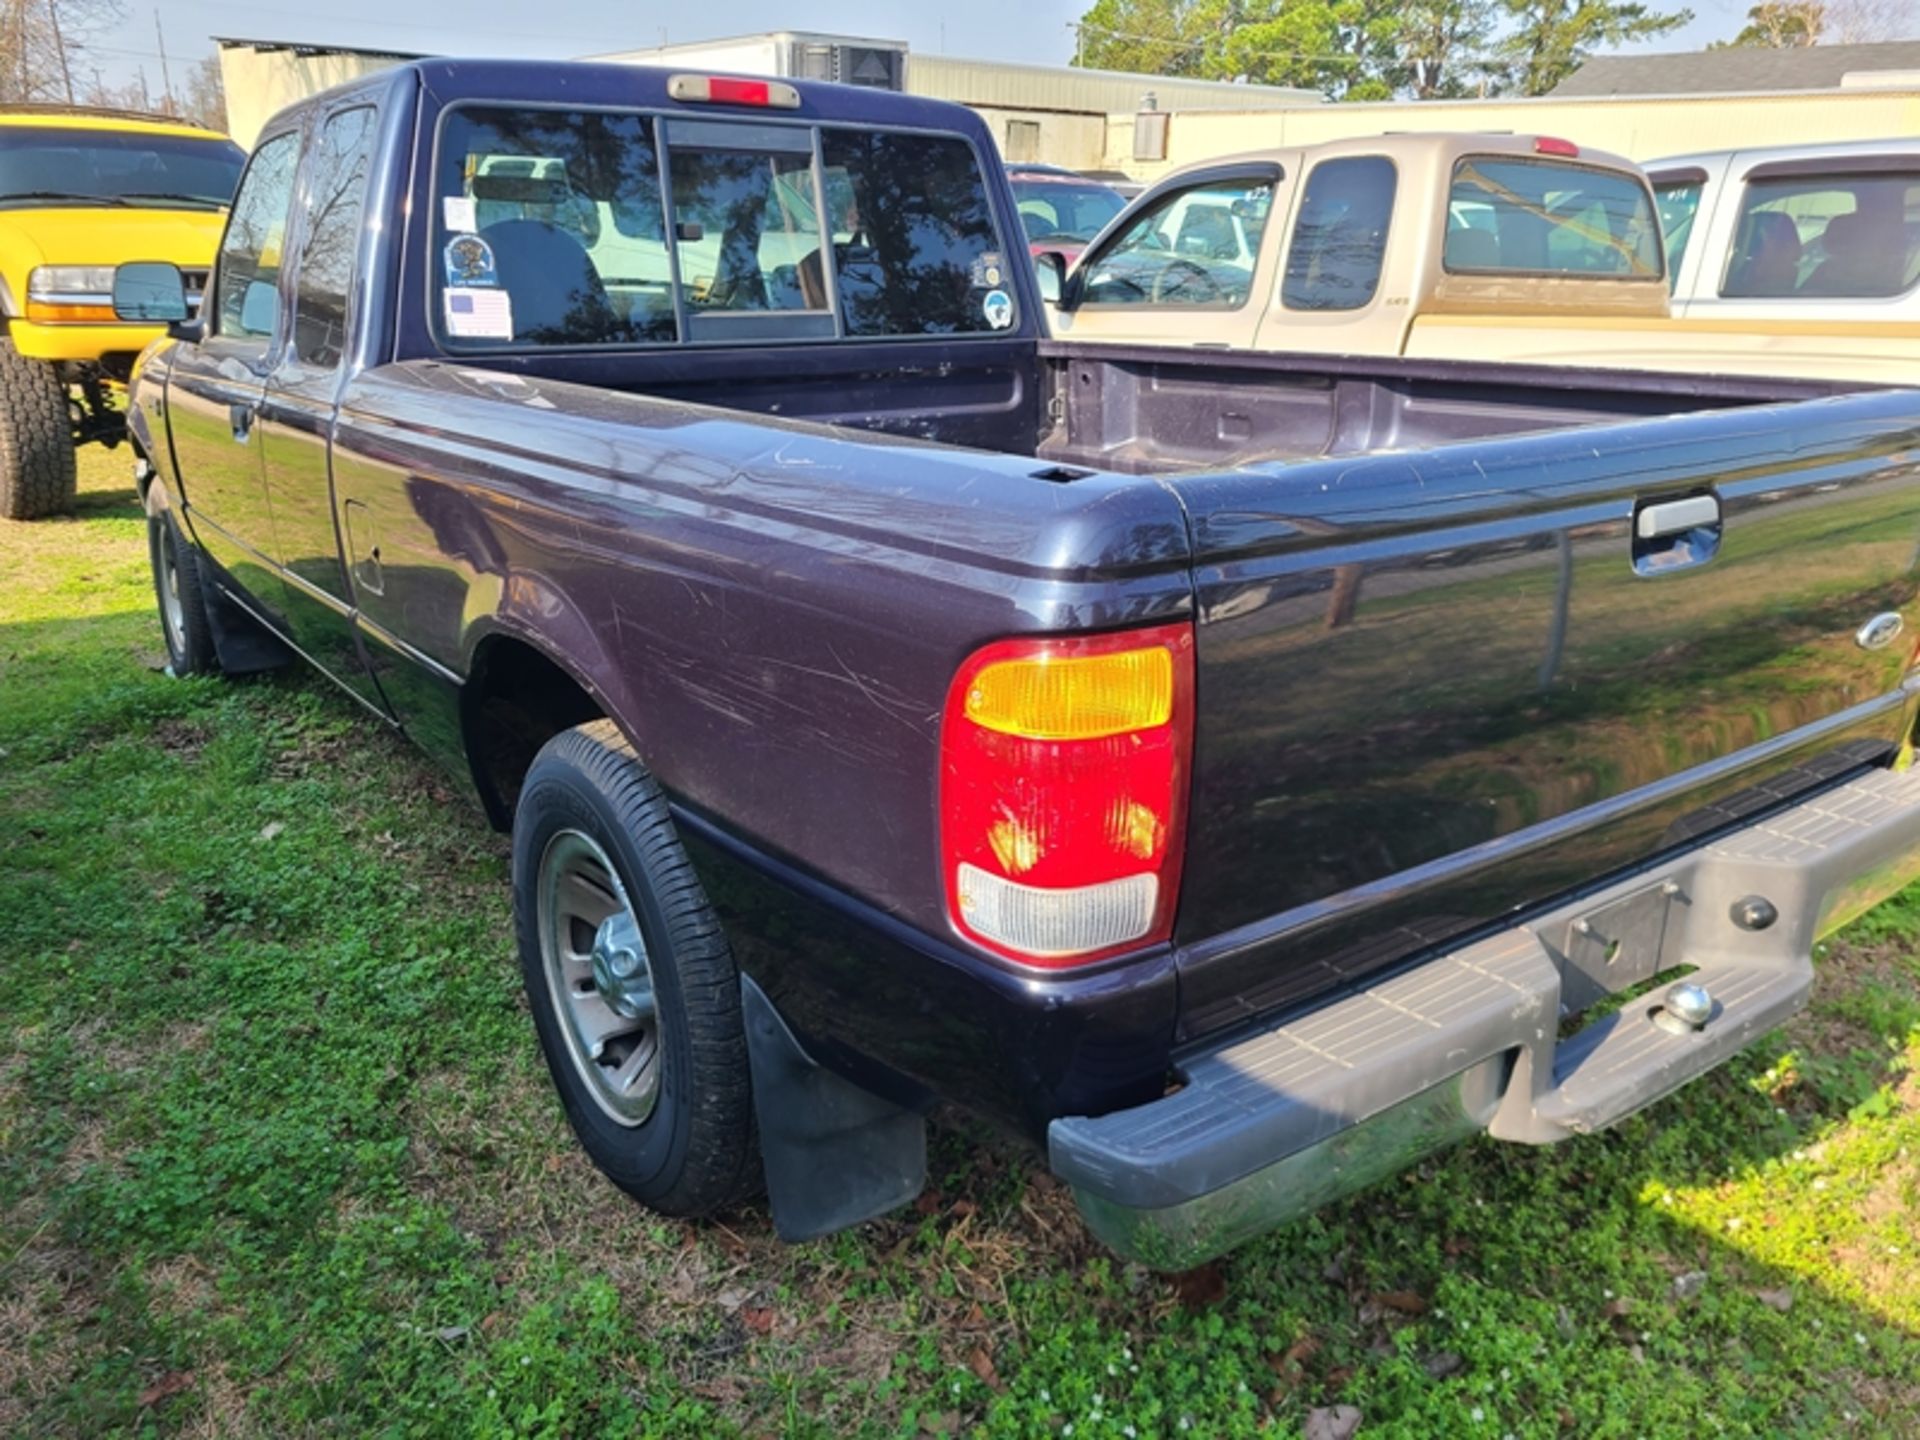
[1670, 535]
[1670, 517]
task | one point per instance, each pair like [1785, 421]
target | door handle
[363, 548]
[1671, 535]
[241, 413]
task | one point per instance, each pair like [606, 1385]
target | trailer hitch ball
[1687, 1007]
[1755, 912]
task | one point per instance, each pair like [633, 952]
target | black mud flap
[242, 644]
[835, 1154]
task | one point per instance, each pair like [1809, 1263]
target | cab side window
[1193, 247]
[247, 285]
[1848, 237]
[1340, 239]
[337, 195]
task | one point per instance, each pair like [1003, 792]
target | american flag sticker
[478, 314]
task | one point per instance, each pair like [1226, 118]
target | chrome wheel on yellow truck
[38, 475]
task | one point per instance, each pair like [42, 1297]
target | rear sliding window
[613, 228]
[1847, 237]
[1541, 217]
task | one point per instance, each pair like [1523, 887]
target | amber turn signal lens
[1080, 697]
[43, 313]
[1063, 785]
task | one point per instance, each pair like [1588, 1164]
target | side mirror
[149, 292]
[1051, 267]
[259, 307]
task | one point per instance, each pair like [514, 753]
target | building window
[1023, 140]
[1150, 135]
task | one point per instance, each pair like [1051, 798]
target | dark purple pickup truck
[1237, 775]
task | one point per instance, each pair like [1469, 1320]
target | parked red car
[1061, 209]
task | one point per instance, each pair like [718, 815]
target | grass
[278, 1158]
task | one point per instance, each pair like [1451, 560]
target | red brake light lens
[1548, 145]
[1064, 775]
[733, 90]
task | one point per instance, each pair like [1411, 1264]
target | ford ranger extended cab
[1235, 776]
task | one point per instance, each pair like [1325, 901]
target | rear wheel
[38, 473]
[183, 605]
[632, 986]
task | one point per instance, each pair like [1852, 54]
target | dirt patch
[47, 1299]
[223, 1413]
[179, 1286]
[1894, 1401]
[1883, 1258]
[182, 739]
[1842, 973]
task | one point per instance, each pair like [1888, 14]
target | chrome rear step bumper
[1274, 1124]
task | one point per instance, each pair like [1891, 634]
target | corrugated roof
[301, 47]
[1736, 69]
[1019, 85]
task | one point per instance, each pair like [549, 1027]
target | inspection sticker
[985, 269]
[479, 314]
[458, 212]
[470, 261]
[998, 308]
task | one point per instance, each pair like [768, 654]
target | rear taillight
[1064, 769]
[1551, 145]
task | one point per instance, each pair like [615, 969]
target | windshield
[49, 165]
[1063, 210]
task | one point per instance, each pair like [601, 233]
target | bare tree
[1867, 22]
[43, 47]
[205, 101]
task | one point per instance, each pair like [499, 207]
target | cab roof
[595, 84]
[84, 117]
[1436, 146]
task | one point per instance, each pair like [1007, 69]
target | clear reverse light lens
[1043, 922]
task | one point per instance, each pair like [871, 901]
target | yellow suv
[80, 192]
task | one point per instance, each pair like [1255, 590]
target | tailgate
[1440, 687]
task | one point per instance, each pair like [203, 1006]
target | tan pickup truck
[1372, 247]
[1524, 249]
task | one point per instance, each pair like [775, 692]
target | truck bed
[1145, 409]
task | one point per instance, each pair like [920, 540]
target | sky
[1037, 31]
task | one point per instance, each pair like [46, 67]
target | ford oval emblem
[1879, 632]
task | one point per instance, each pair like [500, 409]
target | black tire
[38, 473]
[696, 1150]
[181, 600]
